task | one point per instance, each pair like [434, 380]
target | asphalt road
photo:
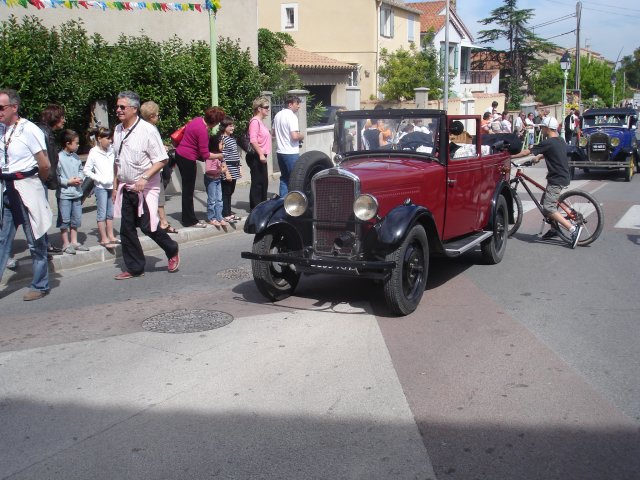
[523, 370]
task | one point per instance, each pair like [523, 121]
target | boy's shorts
[550, 198]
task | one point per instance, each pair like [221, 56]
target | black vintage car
[608, 141]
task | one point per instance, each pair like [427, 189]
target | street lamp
[565, 66]
[613, 84]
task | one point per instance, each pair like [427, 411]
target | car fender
[391, 231]
[264, 215]
[503, 189]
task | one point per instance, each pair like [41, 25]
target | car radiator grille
[334, 227]
[599, 147]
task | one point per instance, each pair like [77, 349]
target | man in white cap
[554, 150]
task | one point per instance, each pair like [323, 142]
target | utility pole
[578, 13]
[445, 96]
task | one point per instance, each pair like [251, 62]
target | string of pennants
[209, 5]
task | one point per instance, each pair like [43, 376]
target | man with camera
[288, 140]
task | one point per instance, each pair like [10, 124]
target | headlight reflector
[615, 141]
[584, 141]
[295, 203]
[365, 207]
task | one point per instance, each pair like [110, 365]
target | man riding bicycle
[554, 150]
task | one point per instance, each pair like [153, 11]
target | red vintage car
[404, 185]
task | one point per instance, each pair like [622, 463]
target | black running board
[457, 247]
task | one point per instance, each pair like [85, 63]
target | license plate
[598, 147]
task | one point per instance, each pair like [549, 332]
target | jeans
[38, 248]
[104, 204]
[286, 161]
[70, 213]
[214, 198]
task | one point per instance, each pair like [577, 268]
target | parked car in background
[405, 185]
[608, 141]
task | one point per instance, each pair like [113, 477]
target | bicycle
[580, 208]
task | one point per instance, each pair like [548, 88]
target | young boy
[70, 177]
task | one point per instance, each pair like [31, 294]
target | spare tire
[305, 168]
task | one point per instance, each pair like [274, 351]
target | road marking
[631, 219]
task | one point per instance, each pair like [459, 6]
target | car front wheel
[405, 286]
[274, 280]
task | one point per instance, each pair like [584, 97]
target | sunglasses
[266, 107]
[122, 107]
[4, 107]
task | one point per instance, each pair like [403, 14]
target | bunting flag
[209, 5]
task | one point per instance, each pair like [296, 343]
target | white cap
[550, 122]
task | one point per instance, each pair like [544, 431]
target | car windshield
[392, 133]
[605, 121]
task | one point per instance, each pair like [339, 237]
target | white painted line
[631, 219]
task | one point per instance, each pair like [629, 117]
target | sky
[607, 26]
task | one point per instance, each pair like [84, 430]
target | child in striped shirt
[234, 171]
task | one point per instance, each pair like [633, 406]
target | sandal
[170, 229]
[199, 225]
[215, 223]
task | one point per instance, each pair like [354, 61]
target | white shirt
[141, 149]
[99, 167]
[24, 143]
[284, 123]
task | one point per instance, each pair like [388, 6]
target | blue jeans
[104, 204]
[214, 198]
[70, 213]
[38, 248]
[286, 161]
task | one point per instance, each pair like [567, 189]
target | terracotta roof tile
[297, 58]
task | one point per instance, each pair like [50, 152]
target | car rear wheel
[494, 247]
[274, 280]
[305, 168]
[405, 286]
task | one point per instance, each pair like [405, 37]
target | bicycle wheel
[583, 210]
[517, 209]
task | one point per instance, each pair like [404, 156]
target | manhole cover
[187, 321]
[238, 273]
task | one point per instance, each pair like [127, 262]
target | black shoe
[53, 250]
[575, 236]
[551, 233]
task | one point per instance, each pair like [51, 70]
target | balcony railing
[476, 76]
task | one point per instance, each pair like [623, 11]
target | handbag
[178, 135]
[245, 142]
[212, 167]
[87, 187]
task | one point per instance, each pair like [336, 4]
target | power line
[561, 35]
[544, 24]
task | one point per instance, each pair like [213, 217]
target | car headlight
[584, 141]
[615, 141]
[295, 203]
[365, 207]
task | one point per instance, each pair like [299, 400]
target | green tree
[277, 77]
[630, 65]
[404, 70]
[517, 63]
[595, 81]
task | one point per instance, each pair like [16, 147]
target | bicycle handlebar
[528, 163]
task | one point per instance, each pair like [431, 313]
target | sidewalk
[88, 232]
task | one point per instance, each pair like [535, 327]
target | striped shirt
[231, 156]
[141, 149]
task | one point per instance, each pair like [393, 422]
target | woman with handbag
[260, 142]
[193, 147]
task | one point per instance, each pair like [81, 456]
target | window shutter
[455, 60]
[382, 15]
[442, 55]
[391, 22]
